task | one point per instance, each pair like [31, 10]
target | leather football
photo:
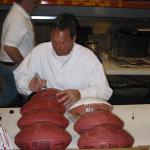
[42, 136]
[50, 93]
[89, 104]
[42, 103]
[43, 115]
[105, 136]
[95, 118]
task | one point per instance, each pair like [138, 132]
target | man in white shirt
[17, 40]
[63, 64]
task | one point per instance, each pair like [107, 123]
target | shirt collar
[63, 59]
[21, 10]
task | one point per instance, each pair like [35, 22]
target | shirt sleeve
[23, 75]
[98, 85]
[14, 35]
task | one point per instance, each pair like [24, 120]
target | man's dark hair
[18, 1]
[66, 21]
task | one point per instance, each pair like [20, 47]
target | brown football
[105, 136]
[42, 136]
[42, 103]
[50, 93]
[95, 118]
[43, 115]
[89, 104]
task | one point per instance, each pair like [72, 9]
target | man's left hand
[68, 97]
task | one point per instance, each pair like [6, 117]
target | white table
[112, 69]
[139, 127]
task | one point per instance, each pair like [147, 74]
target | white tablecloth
[139, 127]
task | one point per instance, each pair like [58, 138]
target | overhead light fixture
[44, 2]
[43, 17]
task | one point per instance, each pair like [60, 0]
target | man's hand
[68, 97]
[37, 85]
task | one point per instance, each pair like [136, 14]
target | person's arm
[98, 85]
[37, 84]
[26, 83]
[23, 75]
[68, 96]
[13, 38]
[14, 54]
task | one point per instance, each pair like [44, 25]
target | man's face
[62, 42]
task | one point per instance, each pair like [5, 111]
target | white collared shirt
[81, 70]
[61, 60]
[17, 32]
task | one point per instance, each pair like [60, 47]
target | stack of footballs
[42, 125]
[97, 126]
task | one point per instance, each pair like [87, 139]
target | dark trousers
[8, 91]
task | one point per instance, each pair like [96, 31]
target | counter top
[135, 117]
[112, 69]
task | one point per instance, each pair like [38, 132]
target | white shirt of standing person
[17, 32]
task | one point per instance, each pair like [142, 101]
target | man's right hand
[37, 85]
